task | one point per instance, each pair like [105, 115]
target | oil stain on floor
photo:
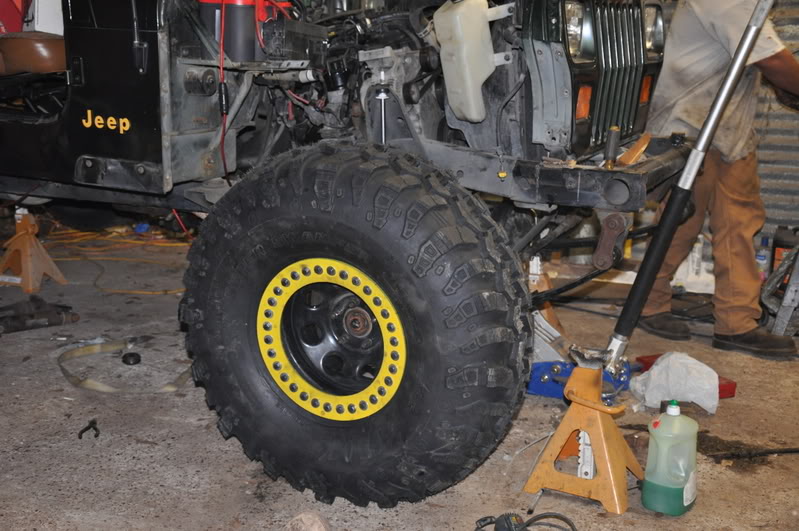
[738, 455]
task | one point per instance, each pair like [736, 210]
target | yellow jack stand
[612, 455]
[27, 258]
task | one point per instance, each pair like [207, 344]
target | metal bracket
[503, 58]
[548, 344]
[503, 11]
[588, 358]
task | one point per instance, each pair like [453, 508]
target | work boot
[758, 342]
[665, 325]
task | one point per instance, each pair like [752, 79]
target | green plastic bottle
[670, 483]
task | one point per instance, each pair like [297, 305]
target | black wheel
[357, 324]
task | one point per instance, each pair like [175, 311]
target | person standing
[703, 37]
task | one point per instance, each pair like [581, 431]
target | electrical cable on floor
[66, 239]
[69, 238]
[514, 522]
[95, 260]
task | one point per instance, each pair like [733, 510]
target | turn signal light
[583, 108]
[646, 89]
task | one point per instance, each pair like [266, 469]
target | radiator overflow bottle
[670, 484]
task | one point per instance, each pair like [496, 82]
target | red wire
[182, 226]
[259, 32]
[222, 43]
[279, 7]
[299, 98]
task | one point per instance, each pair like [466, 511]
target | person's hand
[782, 71]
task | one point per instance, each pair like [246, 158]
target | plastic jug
[763, 258]
[670, 483]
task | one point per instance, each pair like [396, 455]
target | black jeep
[371, 172]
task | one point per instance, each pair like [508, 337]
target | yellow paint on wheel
[304, 393]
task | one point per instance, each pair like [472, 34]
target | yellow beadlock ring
[302, 392]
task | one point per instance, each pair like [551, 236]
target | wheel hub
[357, 322]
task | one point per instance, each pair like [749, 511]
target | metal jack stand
[27, 258]
[587, 414]
[608, 449]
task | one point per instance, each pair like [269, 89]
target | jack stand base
[27, 257]
[611, 453]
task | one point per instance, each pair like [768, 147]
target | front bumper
[556, 183]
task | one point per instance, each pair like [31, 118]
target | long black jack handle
[680, 195]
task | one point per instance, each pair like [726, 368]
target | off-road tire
[441, 259]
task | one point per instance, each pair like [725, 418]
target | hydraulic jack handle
[680, 195]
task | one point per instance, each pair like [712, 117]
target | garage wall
[778, 127]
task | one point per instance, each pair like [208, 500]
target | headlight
[579, 31]
[653, 29]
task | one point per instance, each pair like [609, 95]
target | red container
[10, 17]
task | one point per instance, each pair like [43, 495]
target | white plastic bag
[678, 376]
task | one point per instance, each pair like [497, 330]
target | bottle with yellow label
[670, 483]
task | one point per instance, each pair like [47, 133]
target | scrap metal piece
[790, 301]
[34, 313]
[785, 304]
[91, 426]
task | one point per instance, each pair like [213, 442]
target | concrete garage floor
[160, 463]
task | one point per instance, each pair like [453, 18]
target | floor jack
[603, 447]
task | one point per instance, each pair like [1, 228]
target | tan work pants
[730, 192]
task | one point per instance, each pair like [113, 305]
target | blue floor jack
[550, 369]
[548, 378]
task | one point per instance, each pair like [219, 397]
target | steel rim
[331, 339]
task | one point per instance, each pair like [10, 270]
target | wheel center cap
[357, 322]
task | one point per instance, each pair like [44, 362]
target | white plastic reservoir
[467, 54]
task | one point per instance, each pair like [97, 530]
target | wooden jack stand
[27, 258]
[612, 455]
